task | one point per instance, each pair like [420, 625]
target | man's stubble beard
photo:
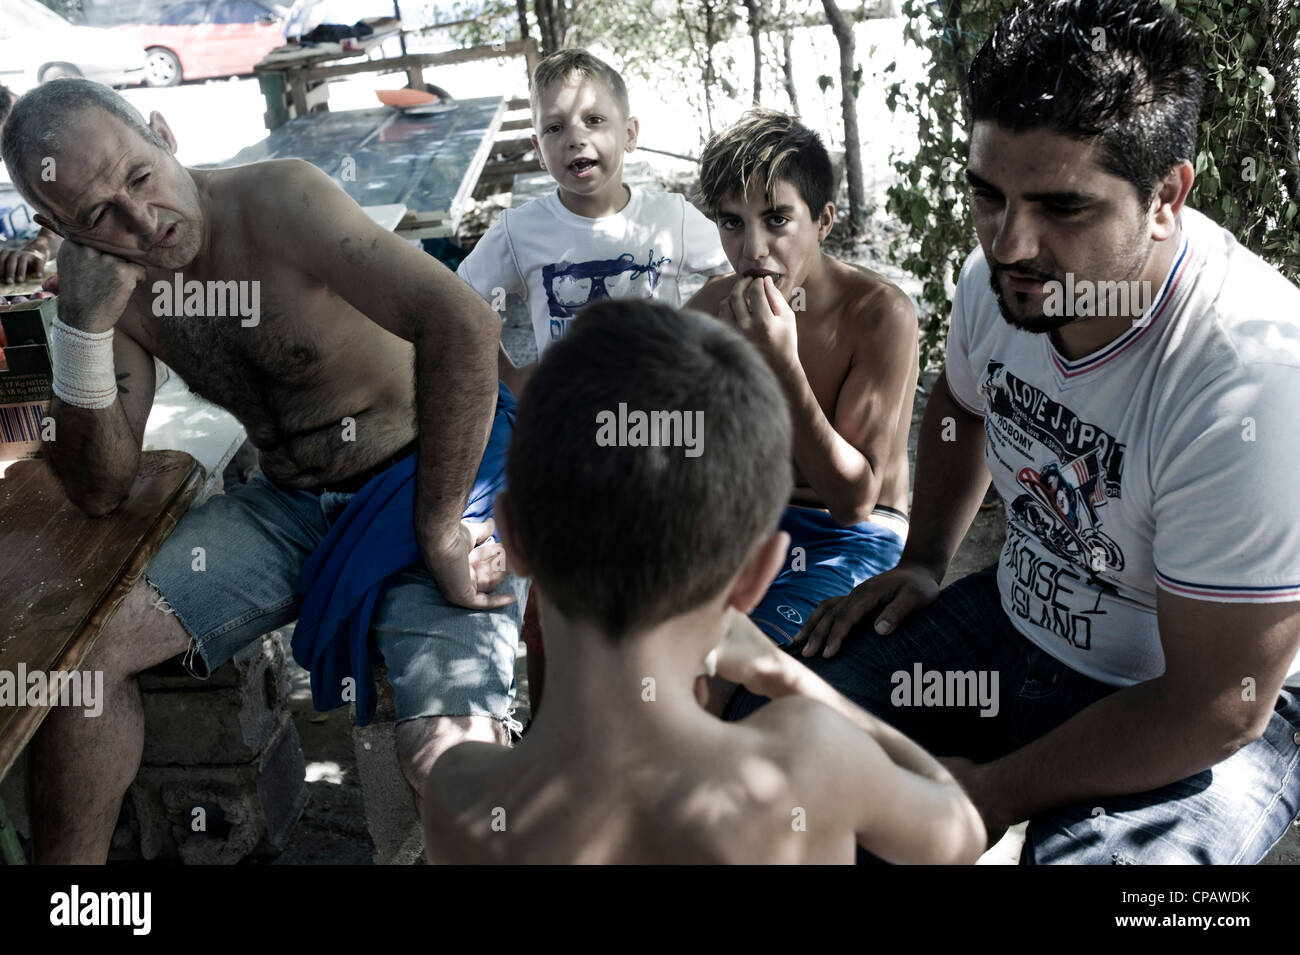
[1137, 254]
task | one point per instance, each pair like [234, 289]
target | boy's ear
[825, 221]
[633, 131]
[537, 148]
[764, 563]
[159, 126]
[501, 513]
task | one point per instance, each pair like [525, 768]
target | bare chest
[234, 363]
[825, 359]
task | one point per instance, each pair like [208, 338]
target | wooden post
[531, 57]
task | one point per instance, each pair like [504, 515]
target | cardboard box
[26, 374]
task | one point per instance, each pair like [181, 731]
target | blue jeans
[1232, 813]
[443, 660]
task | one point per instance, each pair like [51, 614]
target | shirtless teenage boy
[623, 765]
[346, 310]
[842, 341]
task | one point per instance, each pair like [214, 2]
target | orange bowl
[405, 99]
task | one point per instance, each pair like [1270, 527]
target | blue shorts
[442, 660]
[825, 560]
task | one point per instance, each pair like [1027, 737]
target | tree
[850, 80]
[754, 9]
[552, 20]
[1248, 154]
[659, 40]
[787, 63]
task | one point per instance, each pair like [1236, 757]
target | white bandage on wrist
[84, 374]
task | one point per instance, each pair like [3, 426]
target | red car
[198, 39]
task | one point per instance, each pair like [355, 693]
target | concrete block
[172, 676]
[244, 808]
[194, 722]
[389, 802]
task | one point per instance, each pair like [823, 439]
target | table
[306, 75]
[62, 574]
[428, 162]
[288, 66]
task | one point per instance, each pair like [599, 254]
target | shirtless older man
[345, 311]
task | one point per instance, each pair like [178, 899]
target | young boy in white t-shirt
[594, 237]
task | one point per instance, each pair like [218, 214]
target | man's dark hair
[1126, 71]
[763, 146]
[627, 537]
[7, 99]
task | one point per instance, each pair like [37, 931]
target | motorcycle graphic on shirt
[1060, 508]
[1062, 501]
[571, 285]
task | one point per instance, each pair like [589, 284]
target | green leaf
[1266, 87]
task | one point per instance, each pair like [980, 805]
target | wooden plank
[470, 180]
[509, 169]
[403, 63]
[298, 93]
[64, 573]
[291, 58]
[511, 125]
[508, 146]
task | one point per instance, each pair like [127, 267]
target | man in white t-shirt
[1128, 375]
[594, 237]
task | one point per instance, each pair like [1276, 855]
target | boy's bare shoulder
[798, 732]
[873, 304]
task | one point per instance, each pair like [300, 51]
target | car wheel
[54, 71]
[161, 67]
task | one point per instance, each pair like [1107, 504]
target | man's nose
[1017, 239]
[755, 245]
[140, 217]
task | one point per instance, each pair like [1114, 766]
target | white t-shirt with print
[559, 261]
[1170, 458]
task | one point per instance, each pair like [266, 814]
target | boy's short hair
[763, 146]
[1126, 71]
[626, 537]
[558, 67]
